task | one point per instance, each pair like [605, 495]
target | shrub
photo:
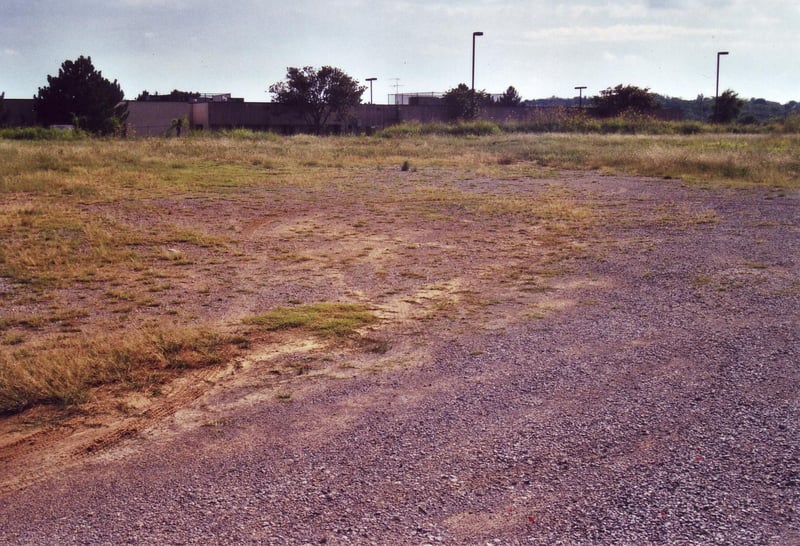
[792, 124]
[40, 133]
[240, 133]
[465, 128]
[690, 127]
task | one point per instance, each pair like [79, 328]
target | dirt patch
[443, 254]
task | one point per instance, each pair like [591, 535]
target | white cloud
[8, 52]
[621, 33]
[619, 10]
[153, 3]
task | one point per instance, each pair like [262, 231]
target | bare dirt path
[648, 395]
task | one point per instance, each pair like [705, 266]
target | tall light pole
[370, 80]
[580, 89]
[474, 34]
[716, 92]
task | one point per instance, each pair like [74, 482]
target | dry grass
[123, 260]
[63, 370]
[762, 160]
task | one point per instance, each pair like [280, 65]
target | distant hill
[753, 110]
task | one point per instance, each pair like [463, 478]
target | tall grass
[462, 128]
[63, 371]
[762, 160]
[242, 133]
[41, 133]
[555, 120]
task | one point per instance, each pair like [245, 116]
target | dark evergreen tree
[510, 97]
[81, 96]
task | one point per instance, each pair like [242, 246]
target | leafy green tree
[464, 103]
[80, 95]
[318, 93]
[726, 107]
[624, 99]
[510, 97]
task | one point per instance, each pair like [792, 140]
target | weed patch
[326, 320]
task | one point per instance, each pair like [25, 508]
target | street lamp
[474, 34]
[716, 92]
[370, 80]
[580, 89]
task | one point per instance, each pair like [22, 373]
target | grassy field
[124, 262]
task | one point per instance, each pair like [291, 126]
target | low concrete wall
[154, 118]
[258, 116]
[146, 119]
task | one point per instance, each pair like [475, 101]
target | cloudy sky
[543, 48]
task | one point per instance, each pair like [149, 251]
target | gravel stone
[662, 408]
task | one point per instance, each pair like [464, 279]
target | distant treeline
[699, 109]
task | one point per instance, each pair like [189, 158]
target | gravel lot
[656, 403]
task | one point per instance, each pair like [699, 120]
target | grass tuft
[326, 320]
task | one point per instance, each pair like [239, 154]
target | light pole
[580, 89]
[474, 34]
[370, 80]
[716, 92]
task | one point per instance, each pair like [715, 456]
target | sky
[542, 48]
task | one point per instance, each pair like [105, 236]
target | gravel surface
[658, 405]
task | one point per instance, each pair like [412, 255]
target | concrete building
[155, 118]
[219, 112]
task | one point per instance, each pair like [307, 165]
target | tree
[174, 96]
[510, 97]
[726, 107]
[81, 96]
[464, 103]
[318, 93]
[623, 99]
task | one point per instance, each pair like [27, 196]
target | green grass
[326, 320]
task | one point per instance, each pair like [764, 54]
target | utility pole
[716, 92]
[474, 34]
[580, 89]
[370, 80]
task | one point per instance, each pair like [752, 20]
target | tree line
[80, 96]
